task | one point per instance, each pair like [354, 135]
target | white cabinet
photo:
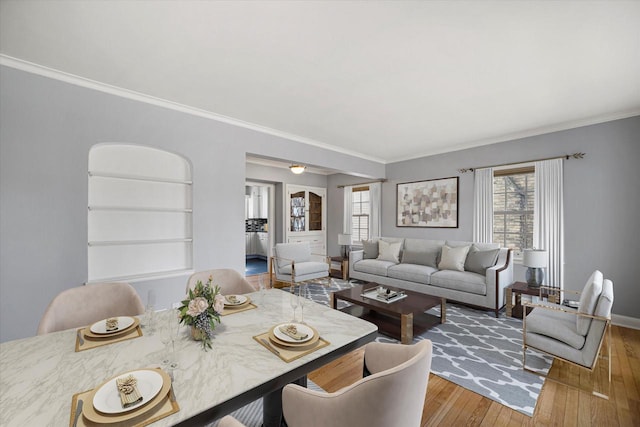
[262, 244]
[306, 213]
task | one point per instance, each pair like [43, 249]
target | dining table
[40, 375]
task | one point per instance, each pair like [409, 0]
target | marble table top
[39, 375]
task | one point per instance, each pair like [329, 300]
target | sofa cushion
[370, 248]
[588, 301]
[373, 266]
[478, 261]
[464, 281]
[389, 251]
[453, 258]
[429, 258]
[555, 324]
[411, 272]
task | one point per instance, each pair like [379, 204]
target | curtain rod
[566, 157]
[362, 183]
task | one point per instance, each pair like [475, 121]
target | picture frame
[432, 203]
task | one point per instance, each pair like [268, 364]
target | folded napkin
[112, 324]
[292, 331]
[129, 394]
[232, 299]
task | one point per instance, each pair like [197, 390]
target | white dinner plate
[107, 398]
[301, 328]
[240, 299]
[101, 327]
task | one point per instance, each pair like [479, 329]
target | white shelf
[138, 178]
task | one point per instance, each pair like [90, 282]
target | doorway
[258, 226]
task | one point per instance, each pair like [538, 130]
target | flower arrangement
[201, 310]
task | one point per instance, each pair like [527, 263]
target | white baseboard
[625, 321]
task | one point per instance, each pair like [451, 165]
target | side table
[519, 289]
[342, 272]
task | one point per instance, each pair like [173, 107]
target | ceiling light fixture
[297, 169]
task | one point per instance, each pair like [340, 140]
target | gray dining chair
[229, 281]
[292, 263]
[575, 336]
[84, 305]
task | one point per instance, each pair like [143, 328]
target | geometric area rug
[472, 349]
[477, 351]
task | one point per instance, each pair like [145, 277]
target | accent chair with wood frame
[292, 264]
[575, 336]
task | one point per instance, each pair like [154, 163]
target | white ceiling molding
[40, 70]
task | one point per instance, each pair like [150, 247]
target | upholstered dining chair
[229, 421]
[84, 305]
[392, 395]
[292, 263]
[229, 280]
[573, 335]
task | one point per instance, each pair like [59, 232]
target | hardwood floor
[558, 405]
[448, 404]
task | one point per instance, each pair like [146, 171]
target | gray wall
[47, 129]
[601, 199]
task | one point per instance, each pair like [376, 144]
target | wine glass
[150, 310]
[169, 335]
[303, 300]
[293, 301]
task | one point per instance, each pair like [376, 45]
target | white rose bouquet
[201, 310]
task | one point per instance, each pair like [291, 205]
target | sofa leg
[497, 312]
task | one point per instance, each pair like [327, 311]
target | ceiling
[384, 80]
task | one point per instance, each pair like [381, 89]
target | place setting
[108, 331]
[236, 304]
[292, 340]
[134, 398]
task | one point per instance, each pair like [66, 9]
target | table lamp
[345, 241]
[535, 260]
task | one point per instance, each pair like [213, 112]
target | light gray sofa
[419, 267]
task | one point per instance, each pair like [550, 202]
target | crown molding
[525, 134]
[73, 79]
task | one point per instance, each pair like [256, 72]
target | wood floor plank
[558, 404]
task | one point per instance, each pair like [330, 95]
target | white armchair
[292, 263]
[575, 336]
[393, 395]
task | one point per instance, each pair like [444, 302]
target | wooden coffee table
[399, 319]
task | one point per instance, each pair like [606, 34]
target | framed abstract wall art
[432, 203]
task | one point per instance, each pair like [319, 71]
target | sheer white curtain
[483, 205]
[347, 209]
[375, 223]
[548, 223]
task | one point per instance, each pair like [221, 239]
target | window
[513, 199]
[360, 214]
[139, 216]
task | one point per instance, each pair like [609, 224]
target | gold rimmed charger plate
[234, 306]
[276, 340]
[87, 332]
[92, 414]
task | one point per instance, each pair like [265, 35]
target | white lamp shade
[534, 258]
[344, 239]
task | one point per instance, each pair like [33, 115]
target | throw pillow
[389, 251]
[453, 258]
[428, 258]
[370, 249]
[478, 261]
